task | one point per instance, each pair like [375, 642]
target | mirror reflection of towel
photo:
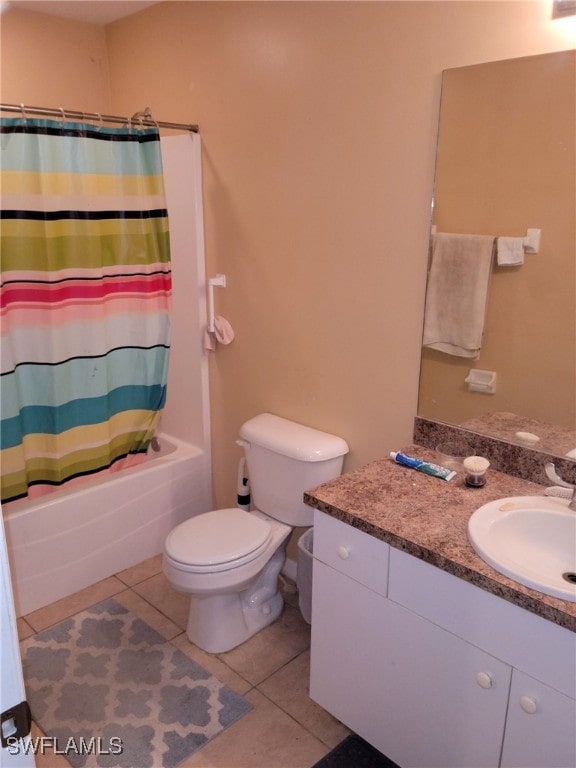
[457, 293]
[510, 251]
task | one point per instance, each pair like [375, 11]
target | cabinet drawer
[352, 552]
[517, 636]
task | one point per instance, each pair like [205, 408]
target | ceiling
[92, 11]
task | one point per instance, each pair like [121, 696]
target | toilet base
[234, 624]
[218, 623]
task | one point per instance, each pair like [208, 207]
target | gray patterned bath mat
[108, 690]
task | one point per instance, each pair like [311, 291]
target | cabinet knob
[484, 680]
[528, 704]
[343, 552]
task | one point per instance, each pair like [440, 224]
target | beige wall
[318, 123]
[47, 61]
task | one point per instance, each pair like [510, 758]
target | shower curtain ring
[24, 115]
[145, 114]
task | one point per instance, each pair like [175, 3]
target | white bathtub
[74, 537]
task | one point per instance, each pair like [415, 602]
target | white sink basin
[531, 539]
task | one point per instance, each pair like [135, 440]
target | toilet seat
[217, 540]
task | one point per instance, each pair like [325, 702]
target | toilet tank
[285, 459]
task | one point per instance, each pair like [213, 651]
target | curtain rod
[142, 118]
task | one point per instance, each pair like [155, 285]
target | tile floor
[285, 728]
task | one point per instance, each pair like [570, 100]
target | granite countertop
[505, 426]
[428, 518]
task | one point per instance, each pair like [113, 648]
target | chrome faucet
[557, 480]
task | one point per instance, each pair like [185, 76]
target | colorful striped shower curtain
[85, 300]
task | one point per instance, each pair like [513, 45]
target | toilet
[229, 560]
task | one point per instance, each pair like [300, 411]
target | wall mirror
[506, 162]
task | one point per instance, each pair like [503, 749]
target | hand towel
[223, 333]
[457, 293]
[510, 251]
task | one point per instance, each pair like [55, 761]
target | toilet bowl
[228, 560]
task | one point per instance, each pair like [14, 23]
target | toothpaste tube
[422, 466]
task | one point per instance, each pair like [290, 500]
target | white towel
[223, 333]
[457, 293]
[510, 251]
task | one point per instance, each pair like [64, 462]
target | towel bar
[219, 281]
[531, 242]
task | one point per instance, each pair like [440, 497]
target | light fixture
[563, 8]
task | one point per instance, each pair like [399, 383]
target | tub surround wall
[187, 413]
[526, 463]
[428, 517]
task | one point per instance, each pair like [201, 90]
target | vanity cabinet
[430, 669]
[416, 692]
[540, 726]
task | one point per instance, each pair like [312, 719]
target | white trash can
[304, 573]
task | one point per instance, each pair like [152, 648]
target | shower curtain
[85, 300]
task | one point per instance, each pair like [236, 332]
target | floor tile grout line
[66, 615]
[295, 719]
[282, 666]
[159, 610]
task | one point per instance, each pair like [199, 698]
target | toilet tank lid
[291, 439]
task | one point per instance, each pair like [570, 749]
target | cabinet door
[541, 726]
[419, 694]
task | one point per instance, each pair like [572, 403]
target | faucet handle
[555, 477]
